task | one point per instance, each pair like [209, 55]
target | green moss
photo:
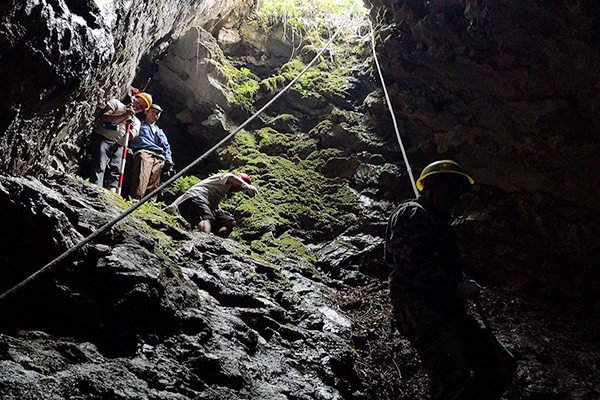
[322, 128]
[114, 199]
[243, 84]
[272, 84]
[274, 143]
[153, 215]
[293, 194]
[322, 79]
[324, 155]
[274, 249]
[179, 187]
[282, 118]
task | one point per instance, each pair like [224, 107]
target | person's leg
[223, 225]
[114, 167]
[205, 226]
[442, 353]
[154, 179]
[493, 365]
[142, 169]
[198, 214]
[99, 148]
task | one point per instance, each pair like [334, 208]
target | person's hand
[249, 190]
[168, 166]
[130, 112]
[171, 209]
[468, 289]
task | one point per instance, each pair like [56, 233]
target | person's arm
[134, 129]
[108, 115]
[164, 142]
[243, 185]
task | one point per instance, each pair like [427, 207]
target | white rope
[159, 189]
[389, 103]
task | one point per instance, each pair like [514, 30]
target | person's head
[142, 102]
[442, 183]
[243, 176]
[153, 113]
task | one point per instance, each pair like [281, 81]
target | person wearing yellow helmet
[109, 137]
[428, 290]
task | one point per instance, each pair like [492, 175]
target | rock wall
[509, 88]
[153, 312]
[61, 60]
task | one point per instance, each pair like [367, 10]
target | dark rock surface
[154, 315]
[148, 311]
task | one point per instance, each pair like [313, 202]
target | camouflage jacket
[421, 250]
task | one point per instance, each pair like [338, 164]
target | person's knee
[205, 226]
[226, 229]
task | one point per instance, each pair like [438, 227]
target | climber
[428, 290]
[151, 155]
[199, 203]
[108, 138]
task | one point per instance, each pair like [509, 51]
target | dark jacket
[421, 250]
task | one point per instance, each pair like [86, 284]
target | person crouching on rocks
[199, 203]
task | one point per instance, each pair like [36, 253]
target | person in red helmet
[199, 203]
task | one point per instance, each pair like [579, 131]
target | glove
[468, 289]
[249, 190]
[168, 174]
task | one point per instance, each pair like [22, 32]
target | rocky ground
[154, 312]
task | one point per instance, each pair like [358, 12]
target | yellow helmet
[442, 167]
[147, 97]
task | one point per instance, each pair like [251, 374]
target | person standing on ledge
[428, 290]
[151, 154]
[199, 203]
[109, 137]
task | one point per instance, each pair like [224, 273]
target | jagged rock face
[191, 85]
[509, 90]
[160, 313]
[62, 60]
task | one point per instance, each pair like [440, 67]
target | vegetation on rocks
[323, 78]
[303, 16]
[293, 193]
[242, 83]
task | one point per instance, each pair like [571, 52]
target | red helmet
[245, 177]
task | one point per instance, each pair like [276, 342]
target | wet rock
[78, 56]
[147, 328]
